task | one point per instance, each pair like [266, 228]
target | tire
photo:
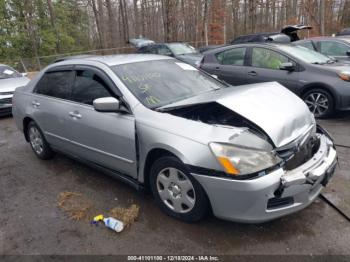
[38, 142]
[320, 102]
[176, 192]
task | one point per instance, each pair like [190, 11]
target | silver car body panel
[123, 142]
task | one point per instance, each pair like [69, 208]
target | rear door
[107, 139]
[231, 66]
[265, 65]
[49, 102]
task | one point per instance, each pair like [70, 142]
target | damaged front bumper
[274, 195]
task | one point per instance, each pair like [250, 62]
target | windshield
[162, 82]
[306, 55]
[181, 49]
[8, 72]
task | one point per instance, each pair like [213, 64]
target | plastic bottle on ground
[114, 224]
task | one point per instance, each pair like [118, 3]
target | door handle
[75, 115]
[217, 68]
[252, 73]
[35, 103]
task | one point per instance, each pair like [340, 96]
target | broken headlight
[238, 161]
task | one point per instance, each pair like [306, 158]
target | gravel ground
[32, 223]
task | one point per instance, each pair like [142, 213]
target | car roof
[341, 38]
[112, 60]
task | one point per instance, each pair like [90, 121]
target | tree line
[34, 28]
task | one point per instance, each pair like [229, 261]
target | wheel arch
[154, 154]
[26, 122]
[319, 85]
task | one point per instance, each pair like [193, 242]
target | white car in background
[10, 79]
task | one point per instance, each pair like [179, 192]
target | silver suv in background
[251, 153]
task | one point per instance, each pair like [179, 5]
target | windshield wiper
[331, 61]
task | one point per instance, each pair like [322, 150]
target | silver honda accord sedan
[245, 153]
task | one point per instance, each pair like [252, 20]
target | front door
[107, 139]
[265, 67]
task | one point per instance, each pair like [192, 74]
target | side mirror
[106, 104]
[289, 66]
[348, 53]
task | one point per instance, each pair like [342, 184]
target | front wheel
[320, 102]
[176, 192]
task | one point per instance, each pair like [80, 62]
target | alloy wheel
[176, 190]
[318, 103]
[36, 140]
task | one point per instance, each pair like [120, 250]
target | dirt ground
[31, 222]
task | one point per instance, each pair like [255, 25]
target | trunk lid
[276, 110]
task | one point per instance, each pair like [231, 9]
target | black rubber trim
[216, 173]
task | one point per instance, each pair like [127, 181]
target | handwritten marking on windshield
[152, 100]
[140, 78]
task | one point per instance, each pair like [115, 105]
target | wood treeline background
[33, 28]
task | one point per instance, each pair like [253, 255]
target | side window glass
[163, 50]
[266, 58]
[88, 86]
[307, 44]
[153, 50]
[220, 57]
[56, 84]
[333, 48]
[234, 56]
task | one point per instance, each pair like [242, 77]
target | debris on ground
[75, 205]
[126, 215]
[78, 207]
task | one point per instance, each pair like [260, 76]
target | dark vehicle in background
[323, 83]
[344, 32]
[10, 79]
[337, 47]
[182, 51]
[288, 34]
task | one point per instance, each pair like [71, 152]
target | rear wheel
[320, 102]
[38, 143]
[177, 193]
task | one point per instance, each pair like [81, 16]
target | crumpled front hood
[10, 84]
[276, 110]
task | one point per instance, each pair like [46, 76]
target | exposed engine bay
[215, 114]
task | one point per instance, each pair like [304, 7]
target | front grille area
[298, 155]
[278, 202]
[6, 93]
[6, 101]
